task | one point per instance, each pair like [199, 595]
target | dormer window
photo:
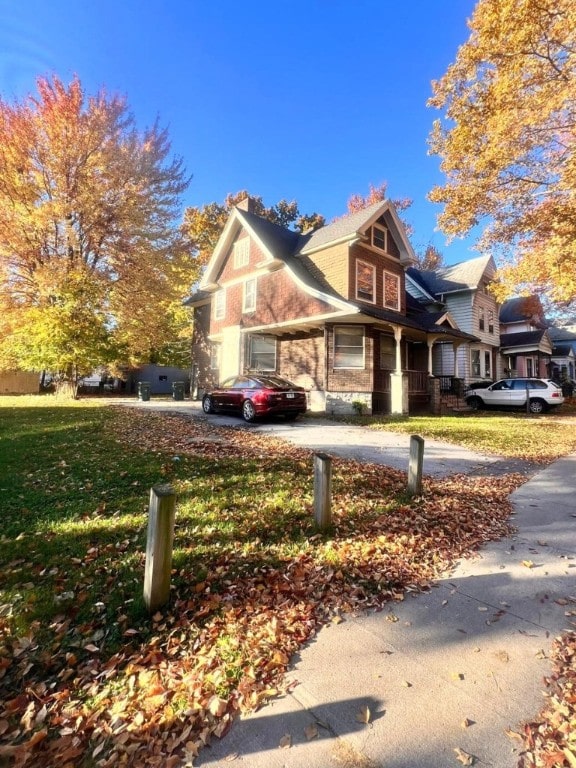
[380, 238]
[365, 281]
[241, 253]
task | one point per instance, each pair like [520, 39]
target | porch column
[398, 339]
[431, 340]
[398, 393]
[456, 347]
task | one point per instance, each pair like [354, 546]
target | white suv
[542, 394]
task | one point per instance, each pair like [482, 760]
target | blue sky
[311, 100]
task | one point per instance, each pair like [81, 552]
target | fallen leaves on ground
[176, 680]
[549, 741]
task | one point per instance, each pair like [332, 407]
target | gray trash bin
[144, 390]
[178, 390]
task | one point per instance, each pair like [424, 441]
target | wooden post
[415, 465]
[322, 490]
[159, 546]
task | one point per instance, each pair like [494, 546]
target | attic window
[380, 238]
[365, 281]
[241, 253]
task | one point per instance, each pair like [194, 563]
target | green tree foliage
[507, 141]
[203, 226]
[93, 266]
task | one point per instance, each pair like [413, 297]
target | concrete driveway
[323, 435]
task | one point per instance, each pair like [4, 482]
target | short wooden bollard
[415, 465]
[159, 546]
[322, 490]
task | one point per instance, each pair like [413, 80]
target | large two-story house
[462, 291]
[326, 309]
[525, 343]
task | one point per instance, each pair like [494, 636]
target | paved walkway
[388, 448]
[451, 669]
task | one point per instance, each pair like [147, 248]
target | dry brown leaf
[311, 732]
[364, 715]
[285, 741]
[464, 757]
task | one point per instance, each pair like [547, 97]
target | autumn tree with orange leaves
[93, 266]
[507, 142]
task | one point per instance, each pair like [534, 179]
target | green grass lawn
[87, 677]
[515, 435]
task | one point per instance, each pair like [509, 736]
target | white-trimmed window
[380, 237]
[391, 291]
[475, 362]
[487, 364]
[365, 281]
[241, 252]
[249, 295]
[262, 353]
[215, 349]
[220, 304]
[481, 319]
[349, 346]
[490, 321]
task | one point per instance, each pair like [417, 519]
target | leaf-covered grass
[511, 434]
[87, 678]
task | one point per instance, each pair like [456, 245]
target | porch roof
[525, 342]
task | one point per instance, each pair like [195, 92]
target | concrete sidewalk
[450, 669]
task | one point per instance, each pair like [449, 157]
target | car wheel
[292, 416]
[537, 406]
[207, 404]
[248, 410]
[474, 403]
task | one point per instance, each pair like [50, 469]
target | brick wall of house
[278, 297]
[351, 379]
[204, 376]
[301, 359]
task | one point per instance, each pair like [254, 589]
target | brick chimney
[247, 204]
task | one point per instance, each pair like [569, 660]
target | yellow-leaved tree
[507, 142]
[93, 265]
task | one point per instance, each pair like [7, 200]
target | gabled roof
[355, 225]
[521, 308]
[563, 350]
[561, 334]
[464, 276]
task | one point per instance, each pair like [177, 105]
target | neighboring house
[563, 352]
[461, 291]
[525, 343]
[327, 310]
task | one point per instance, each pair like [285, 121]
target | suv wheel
[474, 403]
[537, 406]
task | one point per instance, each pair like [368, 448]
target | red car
[256, 395]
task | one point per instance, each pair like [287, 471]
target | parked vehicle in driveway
[512, 393]
[256, 395]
